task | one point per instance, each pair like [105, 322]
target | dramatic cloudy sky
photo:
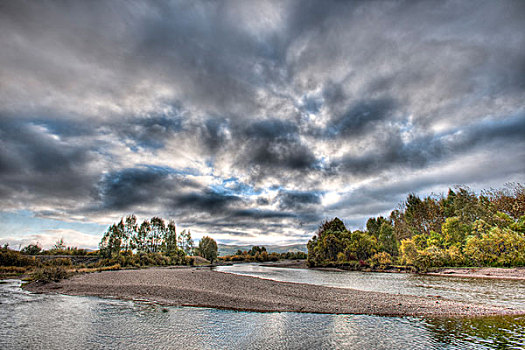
[250, 121]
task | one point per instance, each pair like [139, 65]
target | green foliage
[10, 257]
[185, 242]
[59, 244]
[461, 228]
[373, 225]
[454, 231]
[32, 249]
[361, 245]
[498, 247]
[334, 244]
[208, 249]
[50, 274]
[387, 239]
[152, 242]
[259, 253]
[409, 252]
[381, 259]
[151, 236]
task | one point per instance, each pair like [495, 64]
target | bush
[12, 269]
[50, 274]
[32, 249]
[110, 268]
[381, 259]
[59, 262]
[10, 257]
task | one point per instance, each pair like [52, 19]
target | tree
[141, 239]
[455, 231]
[387, 239]
[130, 231]
[208, 249]
[186, 242]
[373, 225]
[157, 232]
[32, 249]
[362, 245]
[59, 245]
[170, 238]
[409, 252]
[256, 249]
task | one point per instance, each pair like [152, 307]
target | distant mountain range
[230, 249]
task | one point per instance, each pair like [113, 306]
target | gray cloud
[298, 199]
[255, 118]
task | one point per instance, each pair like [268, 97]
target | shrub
[382, 259]
[409, 252]
[32, 249]
[10, 257]
[59, 262]
[50, 274]
[12, 269]
[110, 268]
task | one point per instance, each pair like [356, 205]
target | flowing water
[501, 292]
[35, 321]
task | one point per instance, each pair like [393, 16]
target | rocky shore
[207, 288]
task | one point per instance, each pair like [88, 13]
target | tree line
[260, 254]
[155, 237]
[461, 228]
[150, 236]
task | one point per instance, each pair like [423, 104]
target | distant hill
[230, 249]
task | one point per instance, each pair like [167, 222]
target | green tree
[373, 225]
[130, 231]
[362, 244]
[185, 242]
[59, 245]
[455, 231]
[409, 252]
[208, 248]
[387, 239]
[156, 234]
[32, 249]
[141, 239]
[170, 238]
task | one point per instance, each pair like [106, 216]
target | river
[34, 321]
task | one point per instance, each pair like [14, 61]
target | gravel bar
[207, 288]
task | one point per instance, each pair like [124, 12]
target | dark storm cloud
[151, 132]
[35, 164]
[213, 133]
[431, 148]
[261, 214]
[271, 144]
[359, 116]
[207, 201]
[104, 106]
[129, 188]
[293, 200]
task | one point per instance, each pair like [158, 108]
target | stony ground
[207, 288]
[483, 272]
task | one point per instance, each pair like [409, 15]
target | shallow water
[34, 321]
[506, 293]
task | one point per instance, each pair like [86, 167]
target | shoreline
[200, 287]
[513, 273]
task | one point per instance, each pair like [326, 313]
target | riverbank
[515, 273]
[207, 288]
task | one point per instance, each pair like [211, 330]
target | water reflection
[65, 322]
[493, 332]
